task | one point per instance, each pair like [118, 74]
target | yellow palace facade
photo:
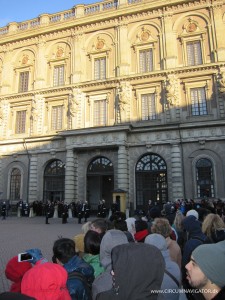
[118, 95]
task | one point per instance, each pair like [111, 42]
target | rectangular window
[146, 60]
[99, 118]
[198, 102]
[148, 110]
[194, 53]
[58, 78]
[23, 81]
[100, 68]
[20, 121]
[57, 117]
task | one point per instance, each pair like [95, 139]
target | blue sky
[21, 10]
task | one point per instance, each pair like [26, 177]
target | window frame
[145, 49]
[203, 82]
[21, 88]
[54, 119]
[91, 101]
[58, 82]
[194, 172]
[198, 103]
[193, 54]
[99, 57]
[150, 90]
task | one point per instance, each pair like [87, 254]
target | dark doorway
[100, 182]
[151, 181]
[54, 181]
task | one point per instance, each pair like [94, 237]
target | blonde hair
[178, 221]
[211, 223]
[161, 226]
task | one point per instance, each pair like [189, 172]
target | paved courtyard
[19, 234]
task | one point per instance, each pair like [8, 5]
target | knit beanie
[211, 260]
[192, 212]
[15, 271]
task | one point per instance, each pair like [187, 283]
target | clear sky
[21, 10]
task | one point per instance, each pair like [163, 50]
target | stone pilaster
[33, 179]
[176, 171]
[123, 168]
[70, 176]
[123, 57]
[170, 41]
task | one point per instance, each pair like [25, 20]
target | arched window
[151, 180]
[15, 184]
[204, 176]
[100, 165]
[54, 181]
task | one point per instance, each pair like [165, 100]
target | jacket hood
[46, 281]
[110, 239]
[192, 225]
[159, 242]
[79, 265]
[136, 273]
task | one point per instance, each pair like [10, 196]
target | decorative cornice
[87, 23]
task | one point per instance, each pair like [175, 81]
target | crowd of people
[174, 252]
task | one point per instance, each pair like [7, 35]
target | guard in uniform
[3, 211]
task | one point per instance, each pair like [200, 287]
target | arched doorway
[205, 180]
[100, 182]
[54, 181]
[15, 185]
[151, 181]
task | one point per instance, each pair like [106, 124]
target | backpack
[87, 284]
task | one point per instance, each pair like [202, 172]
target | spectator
[214, 228]
[15, 271]
[135, 278]
[111, 239]
[92, 241]
[162, 226]
[65, 255]
[122, 225]
[172, 275]
[192, 212]
[206, 270]
[100, 225]
[79, 238]
[131, 225]
[46, 281]
[178, 226]
[142, 231]
[195, 237]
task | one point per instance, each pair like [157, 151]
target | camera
[24, 257]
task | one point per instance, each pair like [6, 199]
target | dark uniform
[3, 211]
[49, 211]
[102, 210]
[83, 211]
[65, 214]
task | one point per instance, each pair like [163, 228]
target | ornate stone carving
[221, 84]
[171, 87]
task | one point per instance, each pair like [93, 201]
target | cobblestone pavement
[19, 234]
